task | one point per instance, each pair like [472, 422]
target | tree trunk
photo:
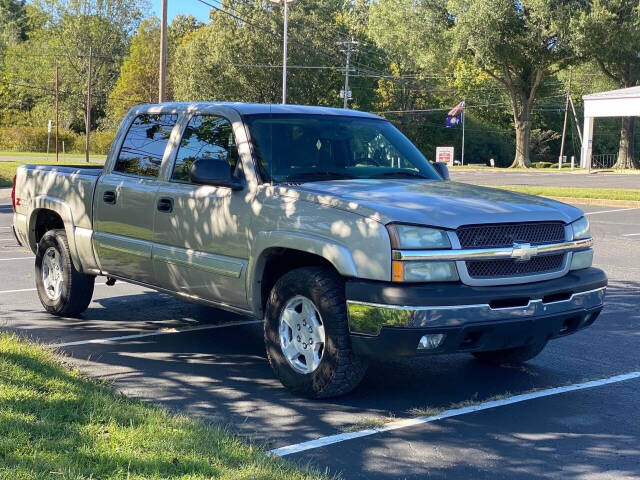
[523, 137]
[625, 151]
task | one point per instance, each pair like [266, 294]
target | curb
[602, 202]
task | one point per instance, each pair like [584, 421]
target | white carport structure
[624, 102]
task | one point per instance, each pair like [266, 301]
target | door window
[144, 145]
[206, 137]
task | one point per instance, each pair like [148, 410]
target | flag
[457, 109]
[454, 121]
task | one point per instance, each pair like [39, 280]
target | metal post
[464, 107]
[349, 44]
[284, 53]
[88, 115]
[57, 111]
[163, 53]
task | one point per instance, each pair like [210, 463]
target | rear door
[124, 206]
[200, 247]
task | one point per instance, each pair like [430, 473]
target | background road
[503, 176]
[222, 375]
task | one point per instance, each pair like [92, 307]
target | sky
[186, 7]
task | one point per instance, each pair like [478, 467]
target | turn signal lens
[397, 271]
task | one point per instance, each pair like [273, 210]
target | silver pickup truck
[328, 224]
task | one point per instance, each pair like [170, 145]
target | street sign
[445, 155]
[49, 127]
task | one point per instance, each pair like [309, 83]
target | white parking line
[611, 211]
[341, 437]
[15, 258]
[164, 331]
[631, 234]
[35, 289]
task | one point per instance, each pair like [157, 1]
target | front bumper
[389, 319]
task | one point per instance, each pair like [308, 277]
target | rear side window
[144, 145]
[206, 137]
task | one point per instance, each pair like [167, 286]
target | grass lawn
[8, 169]
[577, 192]
[9, 153]
[54, 423]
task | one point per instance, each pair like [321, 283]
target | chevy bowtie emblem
[522, 252]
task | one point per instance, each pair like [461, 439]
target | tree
[238, 57]
[138, 80]
[517, 43]
[609, 34]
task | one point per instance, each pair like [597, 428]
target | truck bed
[74, 185]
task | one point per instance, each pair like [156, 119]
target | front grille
[506, 234]
[511, 268]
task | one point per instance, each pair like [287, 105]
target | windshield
[305, 148]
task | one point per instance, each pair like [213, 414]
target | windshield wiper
[405, 173]
[303, 175]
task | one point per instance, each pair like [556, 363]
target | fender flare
[45, 202]
[335, 253]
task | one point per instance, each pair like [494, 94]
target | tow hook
[110, 281]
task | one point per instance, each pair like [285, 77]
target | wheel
[307, 334]
[511, 356]
[63, 291]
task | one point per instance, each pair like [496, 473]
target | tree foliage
[609, 35]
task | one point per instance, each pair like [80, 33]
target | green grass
[578, 192]
[8, 169]
[54, 423]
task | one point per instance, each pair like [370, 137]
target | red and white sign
[445, 155]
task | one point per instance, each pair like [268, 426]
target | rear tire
[63, 290]
[511, 356]
[335, 370]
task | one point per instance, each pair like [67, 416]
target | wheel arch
[50, 213]
[282, 252]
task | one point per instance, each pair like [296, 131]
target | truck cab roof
[252, 108]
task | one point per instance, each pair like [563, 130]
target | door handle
[165, 204]
[109, 197]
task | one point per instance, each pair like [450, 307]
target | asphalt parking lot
[212, 364]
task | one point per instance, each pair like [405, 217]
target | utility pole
[566, 112]
[464, 107]
[348, 50]
[88, 116]
[285, 4]
[163, 53]
[57, 111]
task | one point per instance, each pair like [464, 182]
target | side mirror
[442, 170]
[208, 171]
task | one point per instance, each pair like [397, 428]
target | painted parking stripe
[631, 235]
[342, 437]
[35, 289]
[164, 331]
[15, 258]
[611, 211]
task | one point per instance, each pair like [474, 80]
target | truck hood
[436, 203]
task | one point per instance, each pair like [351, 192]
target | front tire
[307, 334]
[63, 290]
[511, 356]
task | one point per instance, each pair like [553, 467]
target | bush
[542, 164]
[34, 139]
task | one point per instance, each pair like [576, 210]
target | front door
[200, 243]
[124, 202]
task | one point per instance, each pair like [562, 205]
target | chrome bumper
[369, 318]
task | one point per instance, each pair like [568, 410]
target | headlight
[581, 228]
[416, 238]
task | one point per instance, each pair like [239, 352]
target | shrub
[34, 139]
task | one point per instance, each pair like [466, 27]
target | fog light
[429, 342]
[582, 259]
